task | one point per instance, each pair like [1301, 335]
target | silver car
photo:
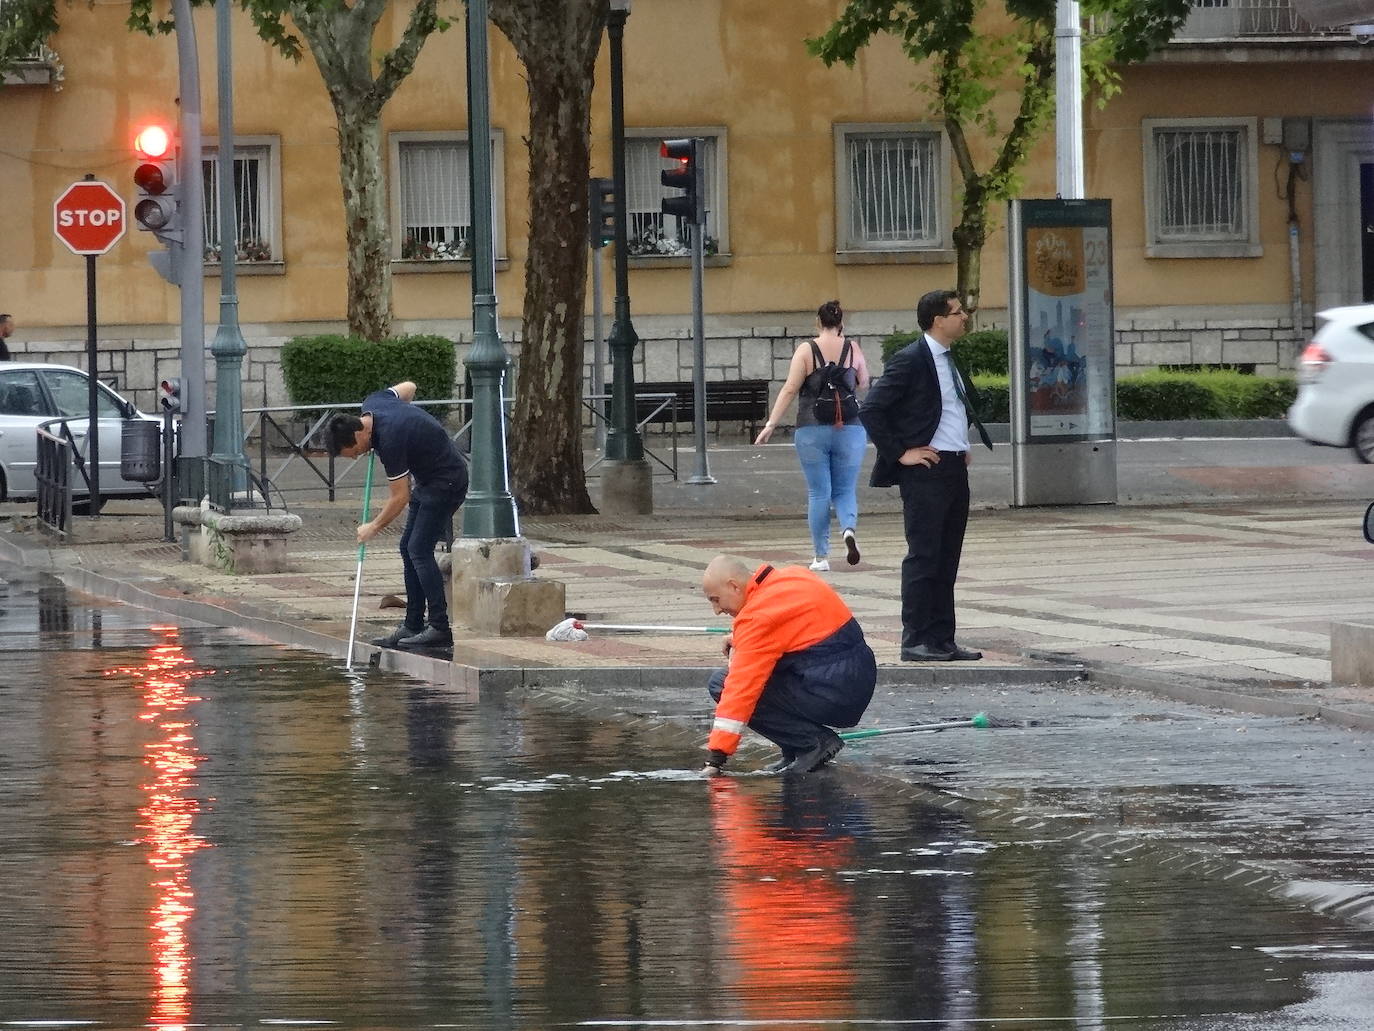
[32, 393]
[1335, 403]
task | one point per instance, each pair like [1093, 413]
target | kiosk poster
[1069, 359]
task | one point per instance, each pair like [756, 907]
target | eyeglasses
[952, 314]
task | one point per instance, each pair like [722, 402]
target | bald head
[724, 583]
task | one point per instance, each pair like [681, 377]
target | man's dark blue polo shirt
[410, 441]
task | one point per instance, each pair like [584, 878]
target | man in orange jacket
[799, 664]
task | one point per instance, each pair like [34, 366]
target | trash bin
[140, 455]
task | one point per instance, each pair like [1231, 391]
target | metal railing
[1247, 19]
[592, 402]
[56, 456]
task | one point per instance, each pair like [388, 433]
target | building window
[892, 188]
[256, 208]
[431, 197]
[1200, 188]
[650, 233]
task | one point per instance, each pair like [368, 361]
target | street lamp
[489, 510]
[626, 481]
[229, 347]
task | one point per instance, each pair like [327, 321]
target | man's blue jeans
[830, 459]
[431, 508]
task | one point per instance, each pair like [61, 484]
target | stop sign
[88, 217]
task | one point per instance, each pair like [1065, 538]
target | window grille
[436, 213]
[893, 190]
[252, 204]
[1200, 184]
[647, 229]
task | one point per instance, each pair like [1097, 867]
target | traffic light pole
[191, 255]
[626, 479]
[703, 469]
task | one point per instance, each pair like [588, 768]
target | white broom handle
[646, 626]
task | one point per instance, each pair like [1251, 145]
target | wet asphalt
[202, 829]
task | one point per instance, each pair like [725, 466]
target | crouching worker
[411, 444]
[799, 664]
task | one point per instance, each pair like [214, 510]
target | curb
[1215, 693]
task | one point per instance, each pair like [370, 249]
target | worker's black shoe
[826, 748]
[781, 764]
[428, 638]
[393, 639]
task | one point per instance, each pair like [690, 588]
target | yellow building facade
[824, 182]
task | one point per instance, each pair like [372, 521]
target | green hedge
[982, 351]
[335, 369]
[1157, 396]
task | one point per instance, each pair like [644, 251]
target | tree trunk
[969, 237]
[366, 225]
[559, 53]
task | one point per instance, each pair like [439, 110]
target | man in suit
[918, 415]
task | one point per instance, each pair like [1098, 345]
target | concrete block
[1259, 351]
[1352, 653]
[1162, 353]
[241, 543]
[478, 559]
[723, 352]
[518, 608]
[756, 361]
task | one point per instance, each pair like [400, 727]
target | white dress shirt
[952, 433]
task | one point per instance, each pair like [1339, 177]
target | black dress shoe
[396, 636]
[428, 638]
[778, 765]
[925, 653]
[962, 654]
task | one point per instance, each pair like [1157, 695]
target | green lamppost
[228, 346]
[490, 509]
[627, 482]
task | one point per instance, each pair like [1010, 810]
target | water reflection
[166, 817]
[390, 856]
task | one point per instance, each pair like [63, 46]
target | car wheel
[4, 489]
[1362, 438]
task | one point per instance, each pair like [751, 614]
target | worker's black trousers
[827, 685]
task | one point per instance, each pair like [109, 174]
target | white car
[32, 393]
[1335, 402]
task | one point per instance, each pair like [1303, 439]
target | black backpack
[835, 403]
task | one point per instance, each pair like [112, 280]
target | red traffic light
[153, 142]
[150, 178]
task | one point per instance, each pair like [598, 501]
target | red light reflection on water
[166, 817]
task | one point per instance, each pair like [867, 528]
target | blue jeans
[431, 507]
[830, 459]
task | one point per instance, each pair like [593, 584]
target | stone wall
[135, 361]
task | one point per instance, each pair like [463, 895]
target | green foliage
[1216, 394]
[983, 351]
[994, 397]
[336, 369]
[1160, 396]
[25, 26]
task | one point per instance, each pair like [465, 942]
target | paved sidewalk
[1236, 598]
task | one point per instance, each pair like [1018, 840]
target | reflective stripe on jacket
[785, 612]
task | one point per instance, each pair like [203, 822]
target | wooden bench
[740, 400]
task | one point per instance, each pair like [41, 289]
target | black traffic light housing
[157, 209]
[689, 176]
[169, 395]
[601, 212]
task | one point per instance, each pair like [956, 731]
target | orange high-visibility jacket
[785, 610]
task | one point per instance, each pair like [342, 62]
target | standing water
[202, 830]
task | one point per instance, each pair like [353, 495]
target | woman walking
[824, 374]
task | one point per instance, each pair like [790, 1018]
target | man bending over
[412, 444]
[799, 664]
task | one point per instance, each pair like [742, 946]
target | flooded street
[200, 830]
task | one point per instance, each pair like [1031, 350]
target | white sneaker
[820, 565]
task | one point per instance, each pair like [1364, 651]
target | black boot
[827, 746]
[393, 639]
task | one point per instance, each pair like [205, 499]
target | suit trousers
[935, 510]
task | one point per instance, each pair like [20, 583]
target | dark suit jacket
[902, 410]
